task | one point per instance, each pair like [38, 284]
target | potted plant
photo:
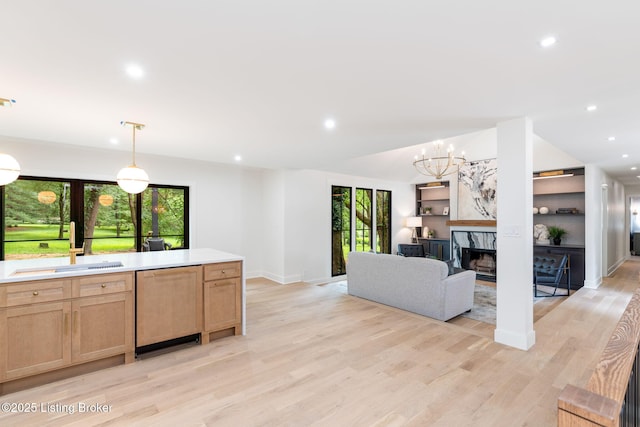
[556, 233]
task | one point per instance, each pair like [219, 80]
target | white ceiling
[258, 78]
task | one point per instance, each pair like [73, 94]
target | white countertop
[133, 261]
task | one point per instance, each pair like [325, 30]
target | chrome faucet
[72, 243]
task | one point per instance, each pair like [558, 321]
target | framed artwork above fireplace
[477, 185]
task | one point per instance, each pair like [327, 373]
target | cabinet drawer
[102, 284]
[34, 292]
[222, 270]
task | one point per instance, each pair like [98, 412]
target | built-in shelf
[558, 214]
[473, 222]
[436, 197]
[563, 192]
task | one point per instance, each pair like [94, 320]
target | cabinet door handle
[223, 272]
[75, 322]
[35, 293]
[66, 323]
[104, 285]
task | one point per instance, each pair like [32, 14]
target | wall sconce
[133, 179]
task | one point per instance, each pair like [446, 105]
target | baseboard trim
[512, 339]
[593, 284]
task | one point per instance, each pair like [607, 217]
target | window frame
[76, 209]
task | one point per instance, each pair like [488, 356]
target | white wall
[606, 241]
[617, 246]
[225, 201]
[307, 213]
[272, 225]
[280, 221]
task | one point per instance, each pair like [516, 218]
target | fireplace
[482, 261]
[475, 250]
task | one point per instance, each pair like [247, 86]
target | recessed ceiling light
[329, 124]
[611, 138]
[624, 156]
[237, 158]
[135, 71]
[548, 41]
[633, 168]
[592, 107]
[114, 141]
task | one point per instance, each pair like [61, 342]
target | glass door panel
[340, 229]
[383, 221]
[364, 206]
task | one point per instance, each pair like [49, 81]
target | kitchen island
[58, 320]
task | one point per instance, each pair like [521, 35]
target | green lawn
[105, 241]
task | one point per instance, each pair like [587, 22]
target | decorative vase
[544, 210]
[557, 240]
[535, 211]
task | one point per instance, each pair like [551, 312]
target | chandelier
[441, 163]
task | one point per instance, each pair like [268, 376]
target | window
[37, 211]
[35, 218]
[383, 221]
[364, 216]
[109, 219]
[163, 214]
[340, 229]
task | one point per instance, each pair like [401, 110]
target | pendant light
[132, 179]
[9, 166]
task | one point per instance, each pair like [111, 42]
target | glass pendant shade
[9, 169]
[132, 179]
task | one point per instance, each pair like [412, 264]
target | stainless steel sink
[66, 268]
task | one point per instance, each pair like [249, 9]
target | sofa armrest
[458, 293]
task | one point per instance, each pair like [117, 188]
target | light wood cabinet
[51, 324]
[102, 317]
[168, 304]
[35, 338]
[75, 325]
[222, 298]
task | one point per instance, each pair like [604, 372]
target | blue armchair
[548, 271]
[411, 250]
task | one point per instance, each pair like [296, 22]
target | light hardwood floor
[316, 356]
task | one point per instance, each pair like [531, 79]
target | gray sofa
[419, 285]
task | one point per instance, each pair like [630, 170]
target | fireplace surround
[475, 250]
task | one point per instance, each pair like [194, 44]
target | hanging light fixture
[438, 165]
[9, 166]
[132, 179]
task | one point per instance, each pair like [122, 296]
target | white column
[514, 317]
[595, 233]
